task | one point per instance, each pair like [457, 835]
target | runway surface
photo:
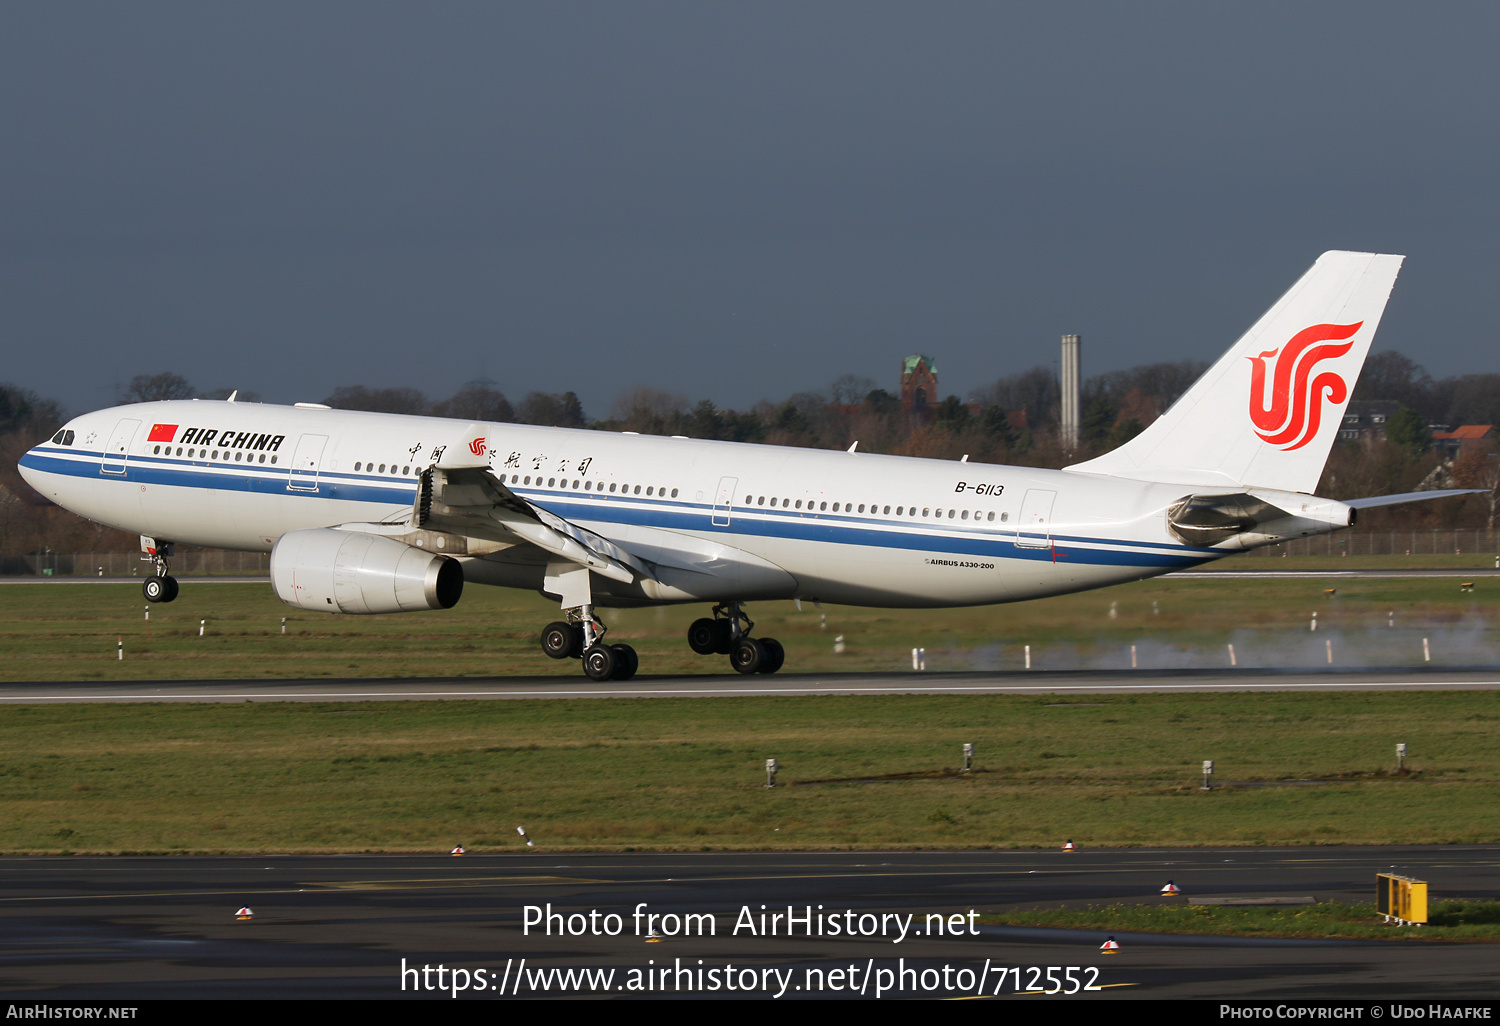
[339, 926]
[734, 685]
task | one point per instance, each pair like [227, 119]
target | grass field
[1298, 768]
[1447, 921]
[60, 631]
[870, 771]
[1422, 561]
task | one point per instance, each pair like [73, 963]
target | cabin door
[302, 476]
[1034, 524]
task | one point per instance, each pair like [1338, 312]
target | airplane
[368, 513]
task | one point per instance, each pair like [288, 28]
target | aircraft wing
[475, 502]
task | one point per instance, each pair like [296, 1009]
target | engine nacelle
[347, 572]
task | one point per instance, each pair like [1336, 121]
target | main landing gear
[159, 587]
[581, 637]
[581, 634]
[728, 633]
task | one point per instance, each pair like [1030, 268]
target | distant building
[920, 398]
[919, 383]
[1462, 439]
[1365, 419]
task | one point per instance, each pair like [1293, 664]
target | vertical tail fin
[1266, 414]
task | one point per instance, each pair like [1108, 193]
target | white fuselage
[834, 526]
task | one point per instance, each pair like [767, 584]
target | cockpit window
[63, 438]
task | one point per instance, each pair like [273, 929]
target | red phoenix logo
[1295, 407]
[477, 447]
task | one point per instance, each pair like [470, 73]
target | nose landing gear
[160, 586]
[728, 633]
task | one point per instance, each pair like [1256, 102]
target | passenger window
[238, 456]
[382, 468]
[824, 506]
[991, 517]
[273, 459]
[887, 511]
[1004, 517]
[965, 516]
[861, 507]
[785, 503]
[762, 501]
[575, 484]
[950, 514]
[674, 493]
[406, 470]
[216, 454]
[648, 490]
[637, 489]
[262, 457]
[356, 467]
[924, 511]
[898, 510]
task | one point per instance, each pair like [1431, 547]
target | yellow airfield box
[1401, 899]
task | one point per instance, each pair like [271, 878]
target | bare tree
[649, 410]
[1480, 468]
[378, 400]
[850, 389]
[551, 408]
[156, 388]
[476, 402]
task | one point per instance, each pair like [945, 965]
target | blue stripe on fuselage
[643, 512]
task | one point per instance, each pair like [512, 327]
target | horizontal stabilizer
[1395, 500]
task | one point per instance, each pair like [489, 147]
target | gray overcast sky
[734, 201]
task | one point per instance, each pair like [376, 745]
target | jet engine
[336, 571]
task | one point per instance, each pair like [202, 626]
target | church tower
[919, 384]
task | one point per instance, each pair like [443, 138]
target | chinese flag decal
[162, 433]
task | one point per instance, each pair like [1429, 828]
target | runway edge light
[1171, 888]
[459, 850]
[244, 913]
[1069, 846]
[529, 842]
[1110, 947]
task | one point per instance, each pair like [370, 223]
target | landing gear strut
[582, 637]
[728, 633]
[160, 586]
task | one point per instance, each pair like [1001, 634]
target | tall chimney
[1071, 384]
